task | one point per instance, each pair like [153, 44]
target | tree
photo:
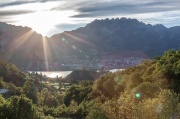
[17, 108]
[73, 107]
[1, 100]
[95, 111]
[77, 93]
[46, 98]
[30, 90]
[11, 73]
[169, 64]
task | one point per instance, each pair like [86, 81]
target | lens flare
[138, 95]
[77, 38]
[63, 39]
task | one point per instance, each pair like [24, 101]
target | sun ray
[78, 38]
[45, 50]
[23, 38]
[17, 43]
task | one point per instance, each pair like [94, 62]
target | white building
[2, 91]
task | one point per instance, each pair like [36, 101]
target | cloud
[10, 13]
[73, 5]
[80, 12]
[22, 2]
[105, 10]
[14, 3]
[93, 8]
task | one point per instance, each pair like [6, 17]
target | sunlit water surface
[54, 74]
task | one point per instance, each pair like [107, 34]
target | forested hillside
[149, 90]
[11, 74]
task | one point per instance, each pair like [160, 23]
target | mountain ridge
[96, 40]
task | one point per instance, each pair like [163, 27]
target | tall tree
[30, 90]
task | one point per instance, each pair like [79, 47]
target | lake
[54, 74]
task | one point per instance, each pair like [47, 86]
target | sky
[50, 17]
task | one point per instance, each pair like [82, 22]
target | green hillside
[147, 91]
[10, 73]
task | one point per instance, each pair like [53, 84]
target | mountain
[98, 40]
[122, 35]
[19, 45]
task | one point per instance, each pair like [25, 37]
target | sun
[41, 29]
[43, 21]
[38, 21]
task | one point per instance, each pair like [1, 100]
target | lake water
[115, 70]
[54, 74]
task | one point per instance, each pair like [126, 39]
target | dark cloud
[10, 13]
[99, 7]
[93, 8]
[104, 9]
[15, 3]
[21, 2]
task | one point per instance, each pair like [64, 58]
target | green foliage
[141, 92]
[95, 111]
[145, 90]
[72, 108]
[60, 110]
[46, 98]
[17, 108]
[11, 73]
[1, 100]
[20, 108]
[14, 90]
[10, 86]
[30, 90]
[169, 64]
[85, 83]
[109, 85]
[77, 93]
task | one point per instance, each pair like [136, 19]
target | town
[70, 64]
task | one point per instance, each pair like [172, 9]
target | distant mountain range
[22, 45]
